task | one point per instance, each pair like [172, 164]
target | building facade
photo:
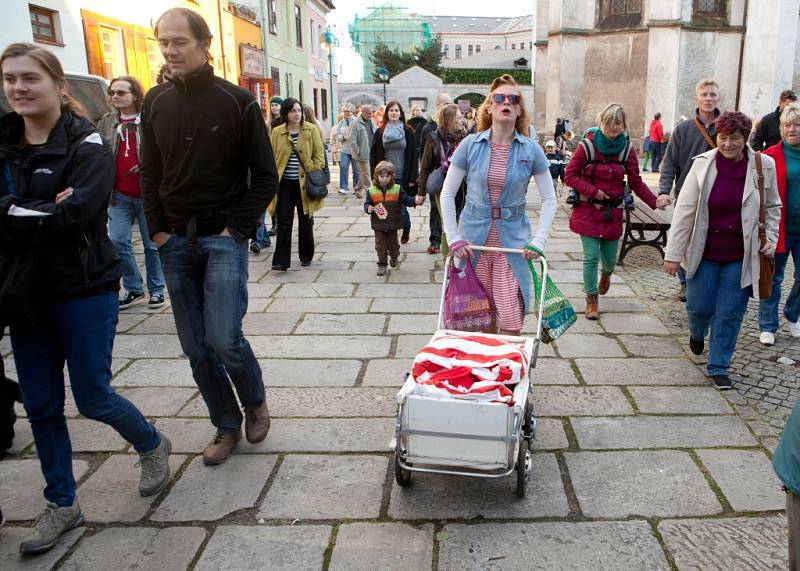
[648, 56]
[465, 37]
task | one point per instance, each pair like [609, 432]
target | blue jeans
[207, 285]
[714, 298]
[121, 215]
[346, 162]
[262, 235]
[80, 331]
[768, 308]
[656, 149]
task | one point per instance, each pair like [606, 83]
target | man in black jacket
[208, 174]
[768, 131]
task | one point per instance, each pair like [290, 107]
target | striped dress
[493, 269]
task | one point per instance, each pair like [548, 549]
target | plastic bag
[558, 314]
[466, 305]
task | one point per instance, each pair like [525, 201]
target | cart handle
[542, 261]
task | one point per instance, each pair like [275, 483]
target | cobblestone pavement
[639, 463]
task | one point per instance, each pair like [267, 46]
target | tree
[396, 61]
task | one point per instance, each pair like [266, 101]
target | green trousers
[597, 250]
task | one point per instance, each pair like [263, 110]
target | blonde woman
[497, 163]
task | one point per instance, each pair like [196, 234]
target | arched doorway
[475, 99]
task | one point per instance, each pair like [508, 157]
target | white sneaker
[344, 191]
[794, 328]
[767, 338]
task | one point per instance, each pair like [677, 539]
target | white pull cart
[467, 438]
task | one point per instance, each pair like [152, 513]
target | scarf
[606, 146]
[124, 128]
[451, 139]
[393, 132]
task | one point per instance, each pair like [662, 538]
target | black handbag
[317, 180]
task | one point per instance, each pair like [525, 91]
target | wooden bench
[643, 227]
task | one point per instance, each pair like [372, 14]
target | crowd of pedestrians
[196, 165]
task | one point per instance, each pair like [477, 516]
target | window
[275, 73]
[709, 7]
[478, 49]
[458, 51]
[112, 50]
[301, 95]
[44, 24]
[154, 59]
[446, 51]
[513, 46]
[470, 50]
[273, 17]
[530, 45]
[298, 25]
[316, 102]
[324, 101]
[624, 7]
[616, 14]
[312, 31]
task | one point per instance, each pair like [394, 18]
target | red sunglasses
[501, 97]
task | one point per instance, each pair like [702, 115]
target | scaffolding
[391, 25]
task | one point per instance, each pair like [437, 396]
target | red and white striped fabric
[470, 366]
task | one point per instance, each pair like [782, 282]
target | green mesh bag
[558, 314]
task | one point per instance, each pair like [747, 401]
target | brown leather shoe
[605, 283]
[223, 445]
[256, 423]
[405, 236]
[591, 307]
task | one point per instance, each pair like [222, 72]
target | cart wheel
[524, 468]
[529, 423]
[401, 476]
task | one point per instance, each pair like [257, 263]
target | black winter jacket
[205, 155]
[78, 256]
[768, 132]
[411, 158]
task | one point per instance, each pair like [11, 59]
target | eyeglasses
[119, 92]
[510, 97]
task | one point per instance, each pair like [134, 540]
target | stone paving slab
[343, 487]
[309, 372]
[746, 478]
[679, 400]
[651, 346]
[326, 435]
[550, 434]
[422, 324]
[21, 486]
[363, 402]
[734, 544]
[161, 324]
[339, 324]
[408, 276]
[273, 323]
[609, 304]
[573, 345]
[256, 290]
[528, 546]
[580, 401]
[128, 321]
[413, 291]
[385, 546]
[147, 347]
[641, 324]
[447, 497]
[156, 373]
[188, 436]
[11, 560]
[92, 436]
[241, 548]
[560, 275]
[662, 432]
[402, 305]
[633, 371]
[315, 290]
[158, 401]
[318, 305]
[112, 493]
[138, 548]
[208, 493]
[553, 372]
[643, 483]
[319, 346]
[365, 275]
[576, 290]
[386, 372]
[292, 276]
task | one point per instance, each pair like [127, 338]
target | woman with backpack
[437, 149]
[56, 164]
[598, 171]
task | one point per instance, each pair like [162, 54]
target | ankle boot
[591, 307]
[605, 283]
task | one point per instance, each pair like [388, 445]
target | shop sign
[252, 61]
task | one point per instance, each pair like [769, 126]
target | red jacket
[588, 220]
[776, 152]
[656, 131]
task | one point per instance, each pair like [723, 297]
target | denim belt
[495, 212]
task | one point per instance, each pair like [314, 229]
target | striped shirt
[292, 170]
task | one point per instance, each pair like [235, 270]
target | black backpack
[592, 161]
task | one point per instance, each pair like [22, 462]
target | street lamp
[383, 75]
[329, 40]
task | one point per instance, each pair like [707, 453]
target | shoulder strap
[760, 179]
[588, 149]
[709, 140]
[622, 157]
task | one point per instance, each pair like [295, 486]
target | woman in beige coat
[296, 144]
[714, 235]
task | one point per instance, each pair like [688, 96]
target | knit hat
[550, 143]
[276, 99]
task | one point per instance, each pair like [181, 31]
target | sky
[347, 9]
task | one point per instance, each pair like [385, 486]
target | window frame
[272, 17]
[458, 51]
[52, 15]
[298, 25]
[275, 75]
[610, 18]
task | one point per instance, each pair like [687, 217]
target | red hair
[732, 121]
